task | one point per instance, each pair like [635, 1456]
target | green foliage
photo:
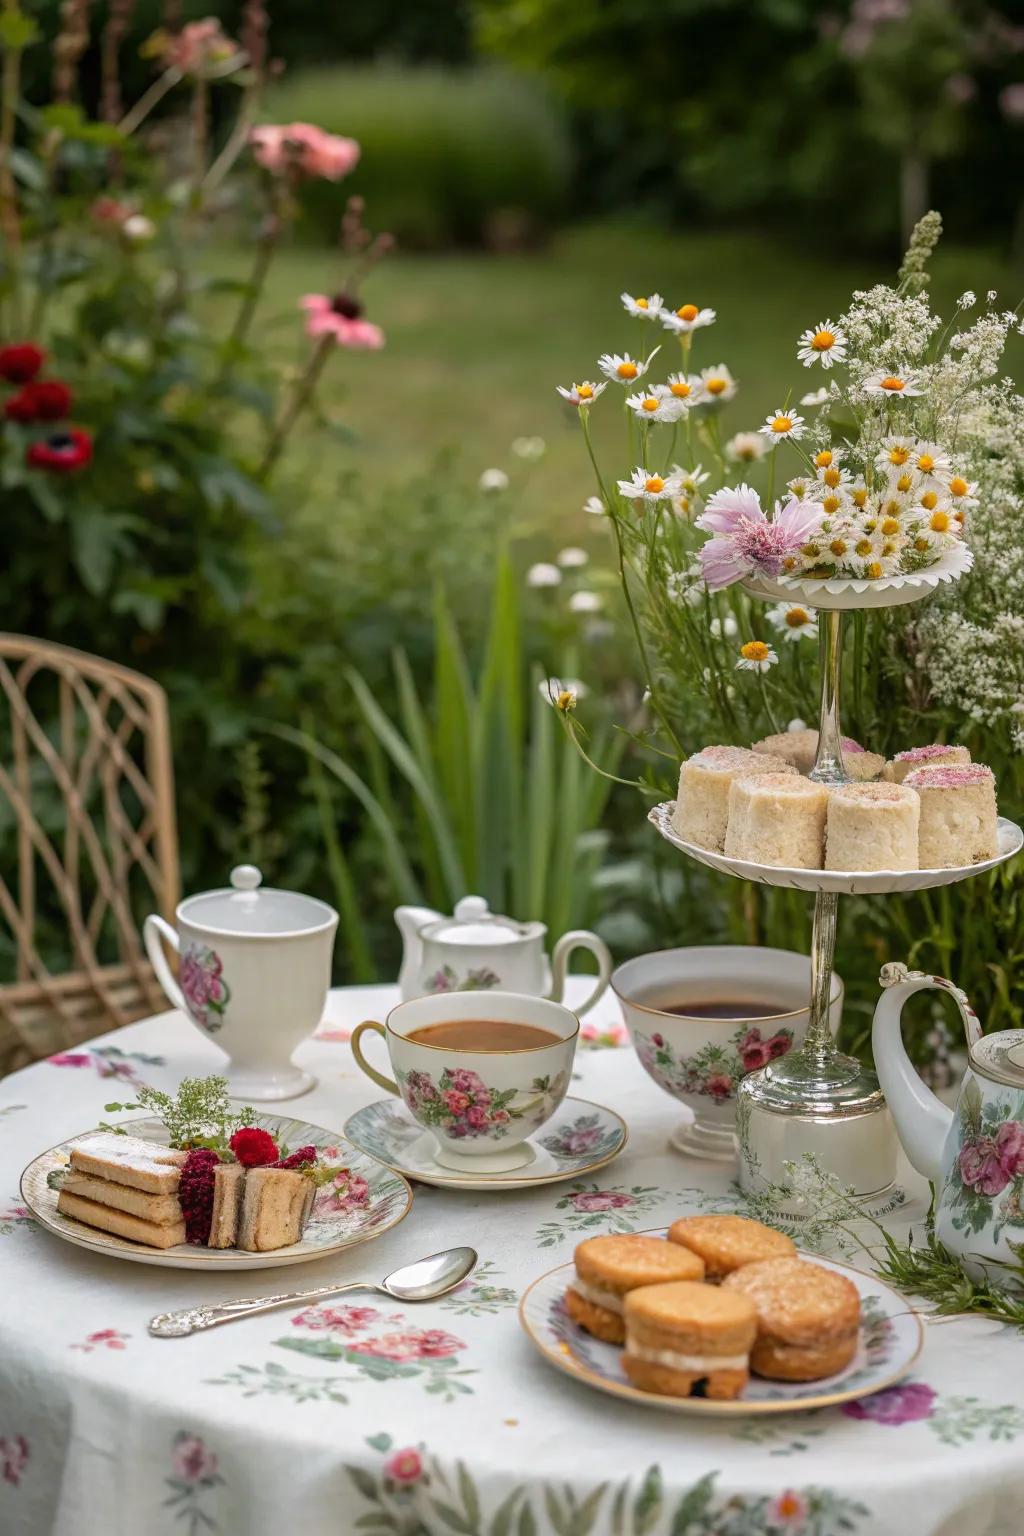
[473, 156]
[465, 790]
[198, 1115]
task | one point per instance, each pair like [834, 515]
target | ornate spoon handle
[176, 1325]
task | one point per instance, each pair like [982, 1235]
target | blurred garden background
[353, 643]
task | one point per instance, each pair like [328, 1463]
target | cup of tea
[701, 1018]
[481, 1072]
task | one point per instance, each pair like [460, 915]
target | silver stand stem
[829, 767]
[819, 1047]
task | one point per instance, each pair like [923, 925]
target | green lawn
[477, 343]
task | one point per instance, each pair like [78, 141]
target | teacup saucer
[580, 1138]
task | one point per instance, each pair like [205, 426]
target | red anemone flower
[21, 362]
[41, 400]
[62, 452]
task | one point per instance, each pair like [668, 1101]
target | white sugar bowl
[475, 950]
[254, 971]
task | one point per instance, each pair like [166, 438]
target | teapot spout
[922, 1120]
[410, 920]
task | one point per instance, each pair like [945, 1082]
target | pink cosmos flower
[405, 1466]
[895, 1405]
[1010, 1148]
[746, 540]
[342, 318]
[14, 1454]
[600, 1200]
[981, 1168]
[192, 1462]
[304, 148]
[428, 1344]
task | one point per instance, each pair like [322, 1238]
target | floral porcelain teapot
[974, 1155]
[477, 951]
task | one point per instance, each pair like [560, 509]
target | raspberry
[303, 1155]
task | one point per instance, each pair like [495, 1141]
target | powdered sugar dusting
[950, 776]
[873, 793]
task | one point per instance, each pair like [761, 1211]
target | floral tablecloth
[369, 1417]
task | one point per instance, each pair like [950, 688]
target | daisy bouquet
[862, 478]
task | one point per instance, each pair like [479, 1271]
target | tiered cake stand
[817, 1100]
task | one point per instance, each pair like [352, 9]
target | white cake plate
[843, 882]
[848, 592]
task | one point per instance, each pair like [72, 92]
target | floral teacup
[479, 1104]
[699, 1058]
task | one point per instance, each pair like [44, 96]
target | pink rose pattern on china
[715, 1070]
[986, 1182]
[201, 977]
[902, 1404]
[461, 1105]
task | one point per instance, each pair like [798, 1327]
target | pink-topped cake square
[937, 754]
[959, 819]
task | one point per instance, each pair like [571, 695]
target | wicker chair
[87, 845]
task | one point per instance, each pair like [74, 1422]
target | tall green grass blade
[352, 929]
[397, 748]
[498, 745]
[454, 710]
[535, 851]
[406, 886]
[417, 733]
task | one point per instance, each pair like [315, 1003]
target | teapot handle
[152, 929]
[897, 974]
[580, 938]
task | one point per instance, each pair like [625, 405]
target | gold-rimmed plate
[891, 1338]
[353, 1209]
[578, 1139]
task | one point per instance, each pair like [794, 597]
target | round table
[453, 1424]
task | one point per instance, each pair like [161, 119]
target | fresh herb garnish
[198, 1115]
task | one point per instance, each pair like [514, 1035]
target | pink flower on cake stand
[745, 541]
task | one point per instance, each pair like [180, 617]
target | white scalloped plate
[891, 1339]
[386, 1199]
[849, 592]
[846, 882]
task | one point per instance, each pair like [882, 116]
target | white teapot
[478, 951]
[974, 1155]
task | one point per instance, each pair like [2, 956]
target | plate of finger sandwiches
[720, 1315]
[268, 1192]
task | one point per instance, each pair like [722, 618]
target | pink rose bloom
[468, 1082]
[342, 318]
[404, 1466]
[600, 1200]
[14, 1454]
[432, 1344]
[755, 1056]
[305, 148]
[500, 1117]
[580, 1141]
[344, 1320]
[193, 1463]
[980, 1167]
[719, 1086]
[458, 1103]
[477, 1116]
[70, 1059]
[779, 1044]
[1010, 1148]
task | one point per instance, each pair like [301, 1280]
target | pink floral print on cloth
[104, 1338]
[201, 977]
[14, 1458]
[194, 1477]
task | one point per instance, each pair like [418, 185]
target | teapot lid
[474, 923]
[246, 911]
[1000, 1057]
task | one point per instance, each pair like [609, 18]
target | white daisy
[963, 492]
[745, 447]
[690, 480]
[932, 462]
[686, 318]
[755, 656]
[562, 693]
[834, 502]
[594, 505]
[644, 309]
[899, 384]
[493, 480]
[645, 485]
[580, 394]
[824, 344]
[687, 388]
[543, 574]
[585, 602]
[571, 558]
[719, 385]
[793, 621]
[816, 396]
[894, 452]
[687, 586]
[833, 476]
[621, 368]
[726, 628]
[654, 407]
[782, 424]
[801, 488]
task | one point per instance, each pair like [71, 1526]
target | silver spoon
[422, 1281]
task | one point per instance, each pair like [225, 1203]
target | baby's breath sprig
[198, 1115]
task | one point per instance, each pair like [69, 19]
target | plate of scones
[720, 1315]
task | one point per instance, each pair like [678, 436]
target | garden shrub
[471, 156]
